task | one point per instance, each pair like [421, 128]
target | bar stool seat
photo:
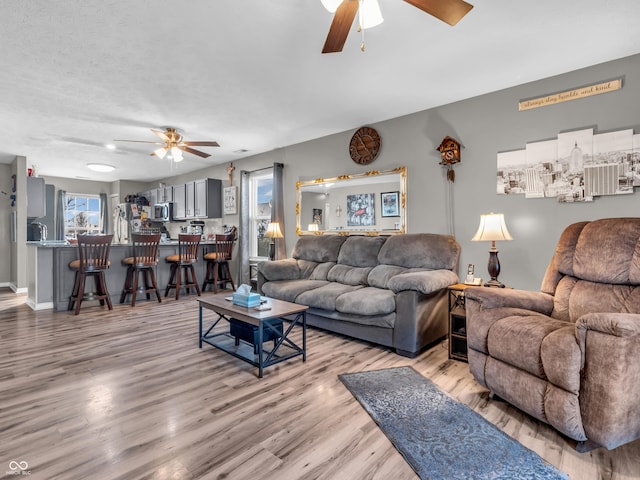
[93, 261]
[144, 260]
[218, 271]
[185, 259]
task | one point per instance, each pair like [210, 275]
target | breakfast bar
[50, 281]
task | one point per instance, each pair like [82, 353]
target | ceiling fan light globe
[177, 154]
[369, 14]
[160, 153]
[331, 5]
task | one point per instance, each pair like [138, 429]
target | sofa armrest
[286, 269]
[508, 298]
[610, 379]
[424, 282]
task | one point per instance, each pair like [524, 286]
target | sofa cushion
[517, 341]
[325, 296]
[321, 270]
[426, 281]
[318, 248]
[288, 290]
[361, 251]
[349, 275]
[380, 275]
[367, 301]
[619, 238]
[421, 250]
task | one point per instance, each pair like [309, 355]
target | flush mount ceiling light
[100, 167]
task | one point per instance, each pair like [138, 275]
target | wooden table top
[279, 308]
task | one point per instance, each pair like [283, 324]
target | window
[81, 215]
[260, 198]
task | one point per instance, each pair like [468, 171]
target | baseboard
[17, 290]
[38, 306]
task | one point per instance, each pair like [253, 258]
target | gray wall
[5, 218]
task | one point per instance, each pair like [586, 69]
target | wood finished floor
[127, 394]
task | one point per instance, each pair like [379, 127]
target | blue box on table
[251, 300]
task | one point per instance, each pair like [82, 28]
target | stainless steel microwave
[161, 212]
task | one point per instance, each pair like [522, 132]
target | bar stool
[93, 260]
[144, 260]
[218, 271]
[184, 260]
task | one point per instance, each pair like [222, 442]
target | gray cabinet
[207, 198]
[190, 199]
[179, 206]
[164, 194]
[198, 199]
[36, 206]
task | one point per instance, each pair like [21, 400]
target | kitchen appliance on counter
[130, 218]
[196, 227]
[37, 232]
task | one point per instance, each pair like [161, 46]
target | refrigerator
[129, 218]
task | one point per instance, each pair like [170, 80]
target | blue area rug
[439, 437]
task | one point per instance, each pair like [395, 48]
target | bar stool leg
[153, 282]
[127, 285]
[172, 277]
[178, 280]
[134, 290]
[80, 294]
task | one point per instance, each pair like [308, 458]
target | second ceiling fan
[449, 11]
[173, 143]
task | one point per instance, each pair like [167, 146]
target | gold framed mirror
[369, 203]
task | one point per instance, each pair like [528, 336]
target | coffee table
[264, 321]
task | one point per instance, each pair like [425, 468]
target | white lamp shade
[331, 5]
[313, 227]
[369, 14]
[273, 231]
[492, 227]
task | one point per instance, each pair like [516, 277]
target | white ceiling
[77, 74]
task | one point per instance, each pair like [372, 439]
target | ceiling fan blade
[184, 148]
[339, 30]
[161, 134]
[139, 141]
[201, 144]
[449, 11]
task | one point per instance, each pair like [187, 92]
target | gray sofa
[569, 355]
[387, 290]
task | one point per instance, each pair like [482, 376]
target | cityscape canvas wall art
[576, 166]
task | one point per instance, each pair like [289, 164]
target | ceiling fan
[449, 11]
[173, 143]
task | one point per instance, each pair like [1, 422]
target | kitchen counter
[50, 280]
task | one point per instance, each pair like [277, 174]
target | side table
[457, 322]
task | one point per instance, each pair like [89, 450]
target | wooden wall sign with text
[575, 94]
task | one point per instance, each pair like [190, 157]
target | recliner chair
[570, 354]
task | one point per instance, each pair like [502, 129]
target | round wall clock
[364, 146]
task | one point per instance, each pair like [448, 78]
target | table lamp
[492, 228]
[313, 227]
[273, 232]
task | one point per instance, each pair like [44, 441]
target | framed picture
[361, 210]
[390, 204]
[230, 202]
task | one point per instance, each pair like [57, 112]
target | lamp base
[494, 268]
[272, 251]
